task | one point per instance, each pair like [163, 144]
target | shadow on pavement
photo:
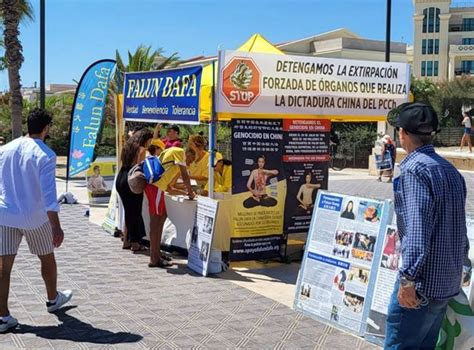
[73, 329]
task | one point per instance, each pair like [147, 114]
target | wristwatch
[406, 281]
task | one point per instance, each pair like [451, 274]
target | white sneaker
[6, 325]
[61, 299]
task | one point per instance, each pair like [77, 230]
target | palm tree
[11, 13]
[143, 59]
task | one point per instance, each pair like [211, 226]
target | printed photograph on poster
[361, 255]
[204, 251]
[364, 242]
[261, 177]
[350, 209]
[340, 280]
[208, 224]
[369, 211]
[359, 275]
[306, 291]
[353, 302]
[100, 180]
[341, 252]
[307, 195]
[344, 238]
[391, 250]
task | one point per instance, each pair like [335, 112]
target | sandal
[139, 249]
[166, 257]
[162, 263]
[127, 247]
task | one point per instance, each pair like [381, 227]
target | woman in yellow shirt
[199, 169]
[222, 175]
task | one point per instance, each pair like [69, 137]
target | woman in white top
[305, 194]
[466, 138]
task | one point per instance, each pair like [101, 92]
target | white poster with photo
[335, 278]
[257, 83]
[385, 281]
[201, 237]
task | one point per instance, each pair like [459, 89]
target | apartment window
[437, 20]
[423, 68]
[429, 68]
[468, 41]
[430, 46]
[435, 68]
[436, 46]
[431, 20]
[425, 19]
[423, 47]
[468, 24]
[467, 66]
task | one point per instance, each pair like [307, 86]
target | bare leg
[156, 231]
[462, 142]
[50, 274]
[126, 243]
[6, 265]
[469, 144]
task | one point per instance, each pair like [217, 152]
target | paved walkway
[359, 184]
[120, 303]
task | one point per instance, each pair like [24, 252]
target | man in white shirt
[29, 208]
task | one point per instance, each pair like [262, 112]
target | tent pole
[212, 134]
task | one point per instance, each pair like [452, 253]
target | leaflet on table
[385, 281]
[334, 280]
[201, 238]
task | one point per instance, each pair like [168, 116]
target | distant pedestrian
[430, 197]
[2, 140]
[466, 137]
[388, 151]
[29, 208]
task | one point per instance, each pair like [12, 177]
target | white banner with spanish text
[299, 85]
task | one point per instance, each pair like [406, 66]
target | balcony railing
[460, 28]
[459, 72]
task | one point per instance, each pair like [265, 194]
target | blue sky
[82, 31]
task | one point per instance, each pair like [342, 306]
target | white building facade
[443, 45]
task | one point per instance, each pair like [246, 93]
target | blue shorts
[467, 131]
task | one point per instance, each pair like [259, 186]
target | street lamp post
[42, 54]
[387, 39]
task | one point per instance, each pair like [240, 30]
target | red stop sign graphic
[241, 82]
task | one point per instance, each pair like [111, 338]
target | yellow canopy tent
[257, 43]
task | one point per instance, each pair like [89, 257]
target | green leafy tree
[12, 12]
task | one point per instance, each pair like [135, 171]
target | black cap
[174, 127]
[418, 118]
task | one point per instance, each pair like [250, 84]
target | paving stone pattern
[120, 303]
[381, 190]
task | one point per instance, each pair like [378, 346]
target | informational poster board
[306, 164]
[457, 331]
[111, 216]
[278, 166]
[258, 189]
[385, 281]
[201, 237]
[335, 283]
[100, 181]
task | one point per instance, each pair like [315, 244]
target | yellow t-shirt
[222, 183]
[170, 159]
[200, 168]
